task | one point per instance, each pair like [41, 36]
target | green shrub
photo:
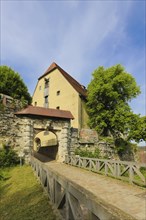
[8, 157]
[108, 140]
[88, 153]
[4, 174]
[125, 149]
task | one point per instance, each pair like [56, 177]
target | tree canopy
[12, 84]
[109, 93]
[137, 130]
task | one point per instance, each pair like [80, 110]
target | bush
[88, 153]
[4, 174]
[125, 149]
[8, 157]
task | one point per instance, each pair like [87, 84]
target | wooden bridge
[124, 170]
[80, 194]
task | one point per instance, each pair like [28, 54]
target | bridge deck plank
[128, 198]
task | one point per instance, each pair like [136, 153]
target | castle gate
[46, 131]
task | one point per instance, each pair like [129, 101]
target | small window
[40, 87]
[46, 99]
[35, 103]
[46, 83]
[58, 107]
[58, 92]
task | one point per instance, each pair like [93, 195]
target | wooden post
[131, 173]
[106, 168]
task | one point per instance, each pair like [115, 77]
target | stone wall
[142, 154]
[87, 139]
[88, 136]
[74, 140]
[19, 132]
[15, 131]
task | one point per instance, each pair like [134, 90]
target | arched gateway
[47, 131]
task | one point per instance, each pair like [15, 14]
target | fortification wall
[19, 131]
[14, 131]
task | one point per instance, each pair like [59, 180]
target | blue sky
[77, 35]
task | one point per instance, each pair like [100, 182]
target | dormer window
[58, 92]
[46, 83]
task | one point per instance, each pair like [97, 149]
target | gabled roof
[46, 112]
[76, 85]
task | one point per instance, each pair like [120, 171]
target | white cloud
[78, 35]
[30, 33]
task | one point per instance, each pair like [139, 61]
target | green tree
[109, 92]
[12, 84]
[137, 130]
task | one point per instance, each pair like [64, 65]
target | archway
[46, 143]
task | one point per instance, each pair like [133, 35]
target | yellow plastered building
[56, 89]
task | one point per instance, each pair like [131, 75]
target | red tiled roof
[47, 112]
[77, 86]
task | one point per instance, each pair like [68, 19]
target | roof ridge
[81, 89]
[69, 75]
[47, 112]
[50, 68]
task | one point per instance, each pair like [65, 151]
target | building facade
[56, 89]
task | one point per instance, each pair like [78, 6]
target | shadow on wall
[50, 151]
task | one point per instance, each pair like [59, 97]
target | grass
[22, 197]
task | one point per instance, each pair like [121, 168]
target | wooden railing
[129, 171]
[73, 201]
